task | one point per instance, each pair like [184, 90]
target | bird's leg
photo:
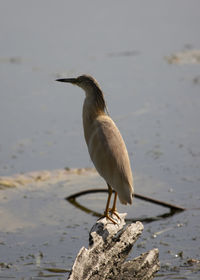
[108, 201]
[106, 212]
[114, 208]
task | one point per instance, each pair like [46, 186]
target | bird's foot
[114, 212]
[111, 219]
[107, 216]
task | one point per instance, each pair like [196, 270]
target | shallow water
[41, 232]
[153, 94]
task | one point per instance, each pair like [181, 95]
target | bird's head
[91, 88]
[86, 82]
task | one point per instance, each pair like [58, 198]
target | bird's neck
[94, 103]
[91, 111]
[92, 108]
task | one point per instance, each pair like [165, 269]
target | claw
[114, 212]
[109, 218]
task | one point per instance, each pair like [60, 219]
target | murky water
[41, 232]
[152, 94]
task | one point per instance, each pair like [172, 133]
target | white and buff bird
[105, 144]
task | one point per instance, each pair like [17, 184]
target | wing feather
[110, 157]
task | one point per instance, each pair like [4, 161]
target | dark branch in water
[174, 209]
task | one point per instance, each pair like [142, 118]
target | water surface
[155, 102]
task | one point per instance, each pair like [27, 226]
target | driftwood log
[109, 246]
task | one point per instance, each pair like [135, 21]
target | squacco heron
[105, 144]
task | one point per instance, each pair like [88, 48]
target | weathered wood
[109, 245]
[141, 268]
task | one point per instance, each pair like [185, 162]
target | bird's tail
[125, 194]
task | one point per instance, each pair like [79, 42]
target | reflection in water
[174, 209]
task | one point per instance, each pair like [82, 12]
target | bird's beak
[69, 80]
